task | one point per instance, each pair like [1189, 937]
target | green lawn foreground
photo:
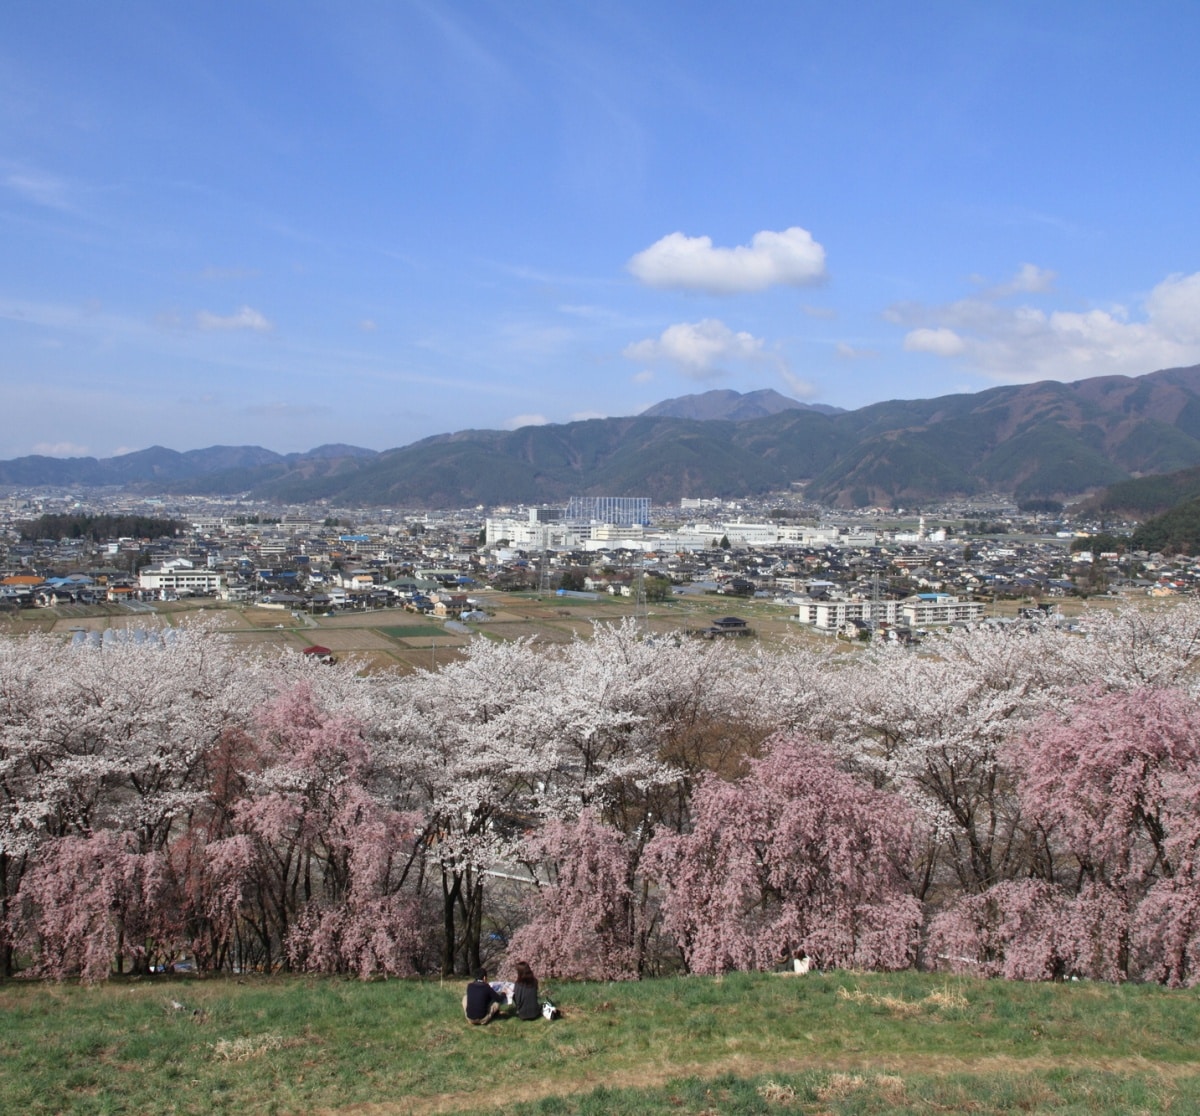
[837, 1043]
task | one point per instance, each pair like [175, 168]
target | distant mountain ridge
[1043, 439]
[733, 405]
[160, 465]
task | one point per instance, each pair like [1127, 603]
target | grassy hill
[836, 1043]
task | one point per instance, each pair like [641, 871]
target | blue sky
[292, 223]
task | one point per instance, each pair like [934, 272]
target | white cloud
[941, 341]
[245, 318]
[799, 388]
[691, 263]
[1023, 344]
[1174, 307]
[517, 421]
[1030, 279]
[61, 449]
[368, 325]
[700, 350]
[40, 189]
[644, 376]
[852, 352]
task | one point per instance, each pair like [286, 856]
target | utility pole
[641, 613]
[544, 571]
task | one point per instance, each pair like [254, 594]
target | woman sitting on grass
[525, 993]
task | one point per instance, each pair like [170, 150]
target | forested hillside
[1038, 440]
[1146, 496]
[1174, 532]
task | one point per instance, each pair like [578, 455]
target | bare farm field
[394, 638]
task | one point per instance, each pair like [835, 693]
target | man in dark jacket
[482, 1002]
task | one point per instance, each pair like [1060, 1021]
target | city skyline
[289, 225]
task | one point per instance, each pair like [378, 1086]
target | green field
[836, 1043]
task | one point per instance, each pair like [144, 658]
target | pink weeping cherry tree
[1115, 784]
[318, 864]
[1113, 787]
[586, 920]
[1016, 930]
[94, 900]
[373, 927]
[796, 857]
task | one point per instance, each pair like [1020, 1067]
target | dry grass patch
[576, 1050]
[775, 1093]
[841, 1085]
[244, 1048]
[890, 1087]
[945, 998]
[897, 1005]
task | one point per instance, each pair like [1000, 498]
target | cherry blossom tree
[301, 802]
[27, 698]
[122, 739]
[1017, 929]
[1137, 645]
[514, 736]
[933, 722]
[373, 926]
[106, 739]
[1114, 783]
[586, 919]
[797, 856]
[461, 739]
[93, 900]
[1034, 786]
[930, 723]
[1166, 931]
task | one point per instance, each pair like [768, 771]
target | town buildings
[834, 571]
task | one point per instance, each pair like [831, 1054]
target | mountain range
[727, 404]
[1043, 439]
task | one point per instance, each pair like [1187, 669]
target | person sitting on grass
[481, 1003]
[525, 993]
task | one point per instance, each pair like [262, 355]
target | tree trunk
[451, 887]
